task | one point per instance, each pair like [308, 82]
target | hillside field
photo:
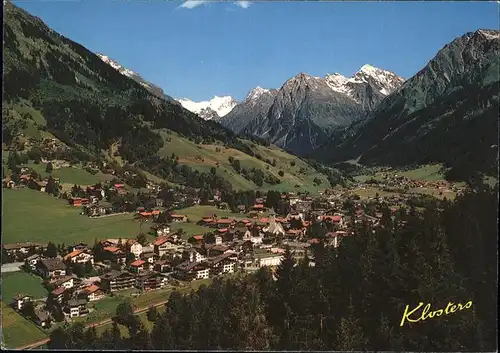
[204, 157]
[35, 216]
[22, 282]
[16, 330]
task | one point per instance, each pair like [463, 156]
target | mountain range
[302, 114]
[447, 112]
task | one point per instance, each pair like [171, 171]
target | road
[93, 324]
[12, 267]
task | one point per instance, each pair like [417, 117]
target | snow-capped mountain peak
[382, 80]
[256, 93]
[206, 109]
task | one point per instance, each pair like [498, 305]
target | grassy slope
[35, 216]
[71, 175]
[22, 282]
[204, 157]
[16, 330]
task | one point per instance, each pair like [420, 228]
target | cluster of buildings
[255, 237]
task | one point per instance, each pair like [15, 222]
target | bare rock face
[302, 114]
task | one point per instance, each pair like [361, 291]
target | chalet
[23, 248]
[137, 266]
[134, 247]
[222, 230]
[115, 280]
[150, 280]
[100, 209]
[224, 223]
[48, 268]
[243, 223]
[58, 294]
[207, 221]
[242, 246]
[216, 250]
[76, 308]
[193, 270]
[241, 208]
[162, 230]
[66, 282]
[92, 293]
[335, 219]
[197, 239]
[179, 218]
[79, 256]
[194, 255]
[162, 245]
[42, 318]
[79, 246]
[32, 261]
[162, 266]
[267, 259]
[116, 254]
[78, 201]
[222, 264]
[149, 258]
[258, 208]
[20, 300]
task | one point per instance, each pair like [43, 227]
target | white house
[79, 256]
[269, 259]
[163, 231]
[135, 248]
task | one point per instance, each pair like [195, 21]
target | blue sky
[198, 50]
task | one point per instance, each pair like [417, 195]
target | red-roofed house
[78, 201]
[79, 256]
[137, 266]
[92, 293]
[258, 207]
[58, 294]
[162, 245]
[224, 223]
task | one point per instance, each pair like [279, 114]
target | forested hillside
[55, 89]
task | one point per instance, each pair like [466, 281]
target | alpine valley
[309, 215]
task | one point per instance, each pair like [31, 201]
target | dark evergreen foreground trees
[352, 299]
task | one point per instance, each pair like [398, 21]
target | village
[253, 236]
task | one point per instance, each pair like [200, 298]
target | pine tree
[51, 250]
[350, 334]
